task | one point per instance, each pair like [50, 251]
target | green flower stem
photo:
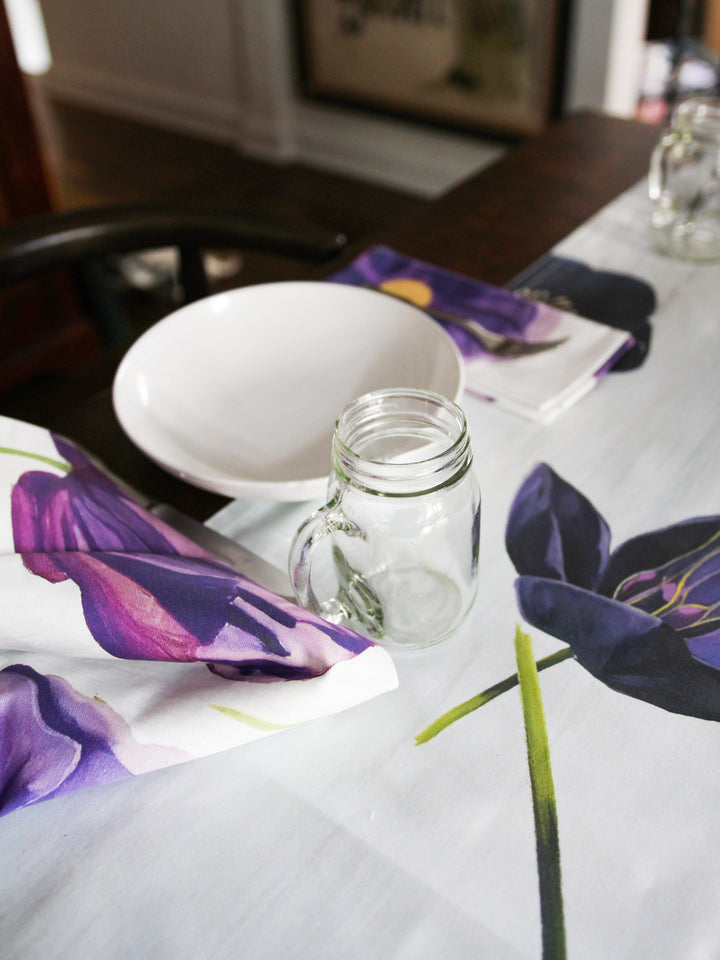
[37, 456]
[544, 808]
[250, 719]
[462, 709]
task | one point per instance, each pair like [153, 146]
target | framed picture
[489, 65]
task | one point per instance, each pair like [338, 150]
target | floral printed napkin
[616, 299]
[125, 647]
[530, 358]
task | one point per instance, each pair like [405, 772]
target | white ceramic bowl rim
[238, 393]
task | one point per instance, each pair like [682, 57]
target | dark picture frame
[492, 66]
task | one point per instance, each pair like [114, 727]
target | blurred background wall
[228, 70]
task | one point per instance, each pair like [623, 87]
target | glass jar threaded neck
[401, 443]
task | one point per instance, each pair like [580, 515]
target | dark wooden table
[491, 227]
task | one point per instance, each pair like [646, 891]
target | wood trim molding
[25, 185]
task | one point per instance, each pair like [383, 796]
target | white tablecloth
[342, 838]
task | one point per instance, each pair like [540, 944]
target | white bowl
[238, 393]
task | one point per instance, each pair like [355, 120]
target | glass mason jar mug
[684, 181]
[394, 551]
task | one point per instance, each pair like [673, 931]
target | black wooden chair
[83, 239]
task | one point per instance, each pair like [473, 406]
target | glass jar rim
[407, 477]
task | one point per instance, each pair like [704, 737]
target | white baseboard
[400, 155]
[172, 109]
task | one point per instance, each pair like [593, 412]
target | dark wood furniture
[34, 248]
[491, 227]
[42, 326]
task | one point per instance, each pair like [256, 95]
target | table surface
[344, 839]
[491, 227]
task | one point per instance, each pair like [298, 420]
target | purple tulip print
[616, 299]
[149, 593]
[643, 618]
[514, 325]
[84, 511]
[63, 741]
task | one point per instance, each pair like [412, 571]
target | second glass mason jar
[684, 182]
[394, 551]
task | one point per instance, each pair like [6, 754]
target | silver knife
[222, 547]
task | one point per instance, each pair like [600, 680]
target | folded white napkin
[125, 647]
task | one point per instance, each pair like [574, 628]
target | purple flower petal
[705, 647]
[554, 531]
[630, 651]
[684, 592]
[85, 511]
[58, 740]
[497, 310]
[646, 619]
[145, 607]
[69, 452]
[650, 551]
[149, 593]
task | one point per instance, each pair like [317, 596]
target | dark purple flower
[445, 294]
[149, 593]
[60, 740]
[644, 618]
[616, 299]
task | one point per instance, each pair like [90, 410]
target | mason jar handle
[657, 177]
[325, 521]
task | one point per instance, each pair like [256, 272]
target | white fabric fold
[125, 647]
